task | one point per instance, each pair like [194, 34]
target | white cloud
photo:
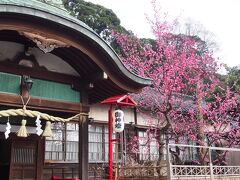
[218, 16]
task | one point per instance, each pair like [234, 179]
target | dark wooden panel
[43, 104]
[98, 171]
[26, 157]
[16, 173]
[23, 160]
[61, 170]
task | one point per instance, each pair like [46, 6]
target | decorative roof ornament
[46, 44]
[55, 3]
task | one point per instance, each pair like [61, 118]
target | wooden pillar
[135, 115]
[83, 148]
[110, 151]
[40, 157]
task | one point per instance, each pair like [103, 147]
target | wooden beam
[89, 80]
[41, 74]
[43, 104]
[97, 76]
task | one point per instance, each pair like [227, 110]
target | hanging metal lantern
[118, 120]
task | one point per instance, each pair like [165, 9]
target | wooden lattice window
[98, 143]
[63, 146]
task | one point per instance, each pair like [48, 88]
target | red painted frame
[121, 100]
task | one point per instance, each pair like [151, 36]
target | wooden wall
[61, 170]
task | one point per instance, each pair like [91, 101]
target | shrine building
[53, 68]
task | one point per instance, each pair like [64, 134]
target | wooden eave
[87, 53]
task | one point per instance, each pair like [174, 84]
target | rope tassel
[22, 132]
[48, 131]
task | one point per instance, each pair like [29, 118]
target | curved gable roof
[71, 31]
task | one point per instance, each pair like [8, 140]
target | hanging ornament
[39, 126]
[118, 122]
[48, 131]
[7, 129]
[22, 132]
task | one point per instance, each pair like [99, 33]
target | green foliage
[149, 41]
[218, 90]
[102, 20]
[99, 18]
[233, 78]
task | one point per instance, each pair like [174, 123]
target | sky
[217, 16]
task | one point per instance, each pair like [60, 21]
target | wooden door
[23, 165]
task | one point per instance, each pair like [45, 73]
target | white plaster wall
[128, 115]
[100, 113]
[142, 119]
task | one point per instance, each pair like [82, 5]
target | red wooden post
[122, 100]
[110, 161]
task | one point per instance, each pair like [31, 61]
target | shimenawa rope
[31, 113]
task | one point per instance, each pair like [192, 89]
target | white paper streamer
[39, 126]
[7, 132]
